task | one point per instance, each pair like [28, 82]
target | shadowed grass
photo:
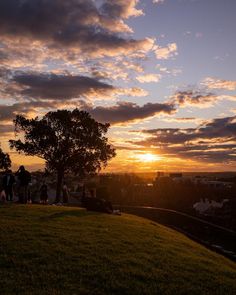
[62, 250]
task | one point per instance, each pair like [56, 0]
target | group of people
[21, 178]
[44, 194]
[18, 183]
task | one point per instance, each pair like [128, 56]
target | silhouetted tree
[68, 141]
[5, 161]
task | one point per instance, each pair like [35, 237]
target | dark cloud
[194, 98]
[74, 23]
[120, 8]
[217, 128]
[212, 141]
[6, 129]
[123, 112]
[8, 112]
[127, 111]
[51, 86]
[3, 55]
[4, 73]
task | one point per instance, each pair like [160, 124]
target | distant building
[209, 182]
[105, 179]
[160, 174]
[176, 175]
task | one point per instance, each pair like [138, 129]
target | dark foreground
[214, 237]
[62, 250]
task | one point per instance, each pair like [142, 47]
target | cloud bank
[213, 83]
[212, 141]
[82, 26]
[124, 112]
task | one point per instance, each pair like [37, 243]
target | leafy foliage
[5, 161]
[68, 141]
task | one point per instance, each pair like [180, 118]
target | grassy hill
[62, 250]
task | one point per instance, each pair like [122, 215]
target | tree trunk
[60, 176]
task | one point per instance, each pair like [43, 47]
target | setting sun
[148, 157]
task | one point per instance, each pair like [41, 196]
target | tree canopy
[68, 141]
[5, 161]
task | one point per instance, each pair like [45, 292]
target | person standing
[65, 193]
[44, 194]
[7, 184]
[24, 178]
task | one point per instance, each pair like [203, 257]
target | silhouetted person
[7, 185]
[65, 193]
[85, 195]
[24, 178]
[99, 205]
[2, 192]
[44, 193]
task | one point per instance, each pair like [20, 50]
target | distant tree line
[128, 189]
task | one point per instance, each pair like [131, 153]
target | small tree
[5, 161]
[68, 141]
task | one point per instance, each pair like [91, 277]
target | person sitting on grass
[92, 203]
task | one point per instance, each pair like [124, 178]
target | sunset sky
[162, 72]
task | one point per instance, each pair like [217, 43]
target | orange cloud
[213, 83]
[166, 52]
[148, 78]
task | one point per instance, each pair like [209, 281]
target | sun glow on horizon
[148, 157]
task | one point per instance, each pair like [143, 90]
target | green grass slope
[62, 250]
